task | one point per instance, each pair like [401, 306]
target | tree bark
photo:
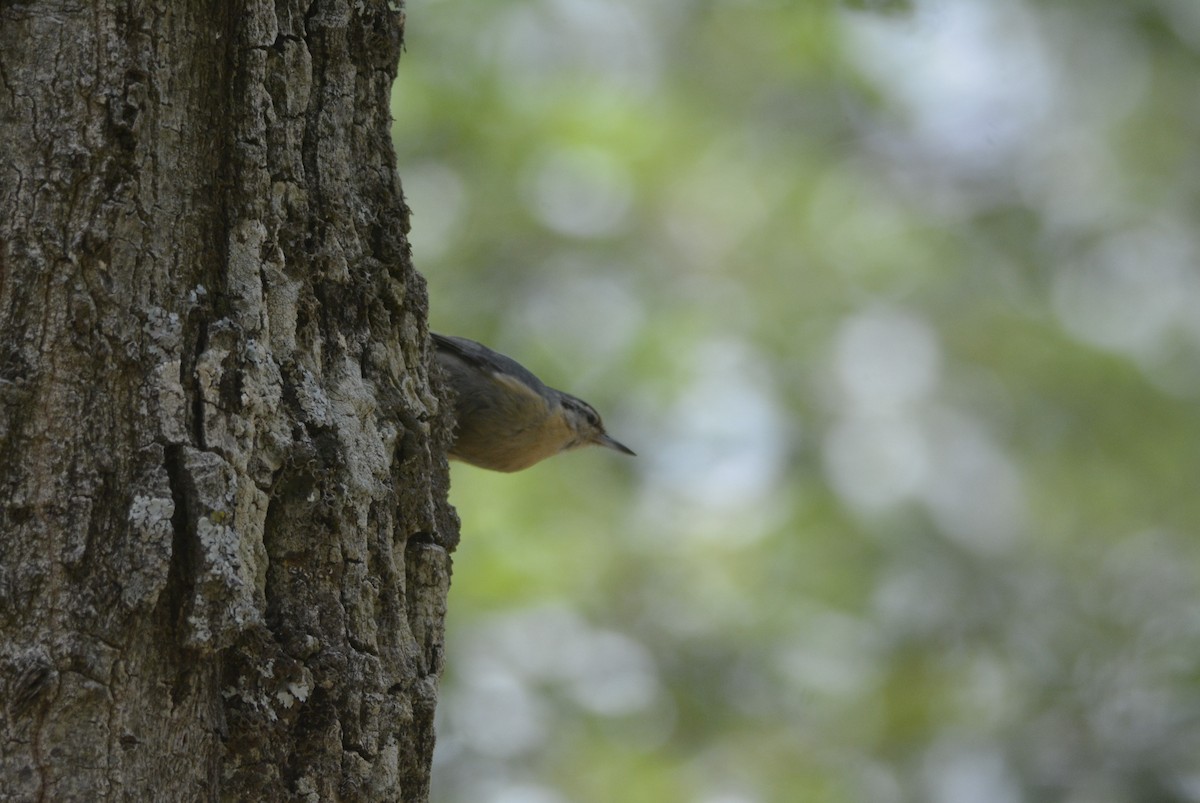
[224, 535]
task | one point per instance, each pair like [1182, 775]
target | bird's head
[585, 426]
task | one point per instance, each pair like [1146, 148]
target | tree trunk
[224, 536]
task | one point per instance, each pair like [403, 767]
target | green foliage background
[898, 305]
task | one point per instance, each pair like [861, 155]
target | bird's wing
[484, 359]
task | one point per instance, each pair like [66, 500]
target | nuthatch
[507, 418]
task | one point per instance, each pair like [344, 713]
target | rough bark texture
[224, 536]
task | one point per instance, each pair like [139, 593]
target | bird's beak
[613, 443]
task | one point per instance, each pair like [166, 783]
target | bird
[506, 418]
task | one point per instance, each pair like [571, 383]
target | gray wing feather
[486, 360]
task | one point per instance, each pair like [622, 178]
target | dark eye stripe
[584, 408]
